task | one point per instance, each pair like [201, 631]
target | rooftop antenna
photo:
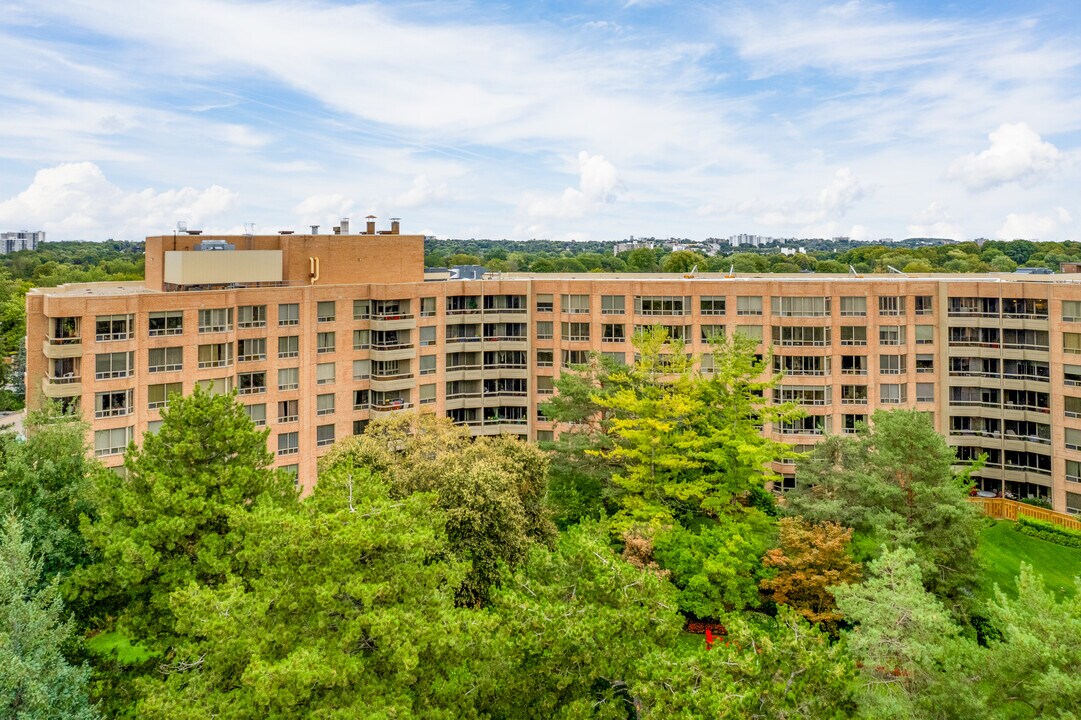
[693, 272]
[895, 271]
[852, 271]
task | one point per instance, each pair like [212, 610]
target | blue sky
[587, 120]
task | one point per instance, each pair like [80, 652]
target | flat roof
[98, 289]
[797, 277]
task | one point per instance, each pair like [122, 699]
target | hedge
[1048, 531]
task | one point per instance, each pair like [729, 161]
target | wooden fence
[1004, 509]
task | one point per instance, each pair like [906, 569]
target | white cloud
[421, 192]
[76, 201]
[1017, 153]
[598, 185]
[936, 221]
[831, 203]
[1033, 226]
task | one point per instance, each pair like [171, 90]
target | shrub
[1038, 502]
[1048, 531]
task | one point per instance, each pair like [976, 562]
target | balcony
[62, 387]
[60, 348]
[383, 409]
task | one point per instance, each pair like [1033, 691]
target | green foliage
[573, 625]
[913, 659]
[1032, 671]
[1038, 502]
[683, 261]
[780, 669]
[1048, 531]
[894, 484]
[491, 490]
[37, 682]
[680, 443]
[163, 523]
[345, 609]
[716, 566]
[45, 480]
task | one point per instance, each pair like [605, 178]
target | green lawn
[104, 644]
[1004, 549]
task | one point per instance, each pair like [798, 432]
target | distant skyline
[590, 120]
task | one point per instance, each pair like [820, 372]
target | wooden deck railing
[1004, 509]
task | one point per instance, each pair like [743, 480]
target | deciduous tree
[810, 559]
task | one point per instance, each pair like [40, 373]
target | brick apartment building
[321, 333]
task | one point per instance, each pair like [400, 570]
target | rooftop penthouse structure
[321, 333]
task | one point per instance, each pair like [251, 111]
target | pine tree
[36, 681]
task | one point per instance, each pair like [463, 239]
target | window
[1071, 343]
[891, 335]
[166, 323]
[809, 425]
[427, 364]
[158, 395]
[803, 394]
[1073, 439]
[251, 383]
[361, 399]
[325, 311]
[324, 404]
[800, 306]
[427, 307]
[165, 359]
[361, 309]
[853, 364]
[853, 335]
[324, 373]
[891, 306]
[257, 414]
[427, 394]
[153, 426]
[289, 346]
[362, 369]
[891, 364]
[613, 332]
[463, 304]
[251, 349]
[662, 305]
[545, 436]
[893, 394]
[288, 410]
[853, 394]
[544, 302]
[750, 331]
[113, 327]
[925, 334]
[215, 320]
[544, 329]
[112, 404]
[924, 304]
[251, 316]
[575, 357]
[925, 363]
[574, 304]
[288, 443]
[801, 365]
[112, 442]
[545, 385]
[613, 304]
[712, 305]
[427, 335]
[618, 357]
[288, 378]
[712, 332]
[1071, 310]
[575, 331]
[925, 392]
[114, 365]
[288, 314]
[851, 423]
[217, 386]
[215, 355]
[362, 339]
[324, 342]
[545, 358]
[853, 306]
[748, 305]
[801, 335]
